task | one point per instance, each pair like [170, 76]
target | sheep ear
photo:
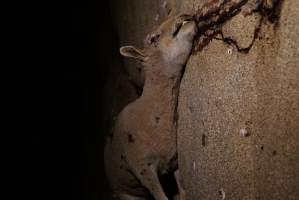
[132, 52]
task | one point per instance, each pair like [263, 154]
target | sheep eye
[176, 29]
[154, 38]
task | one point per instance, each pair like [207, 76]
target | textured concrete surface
[238, 113]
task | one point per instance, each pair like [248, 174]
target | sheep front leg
[182, 192]
[129, 197]
[149, 178]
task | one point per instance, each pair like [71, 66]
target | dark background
[94, 43]
[73, 45]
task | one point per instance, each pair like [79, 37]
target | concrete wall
[238, 121]
[225, 92]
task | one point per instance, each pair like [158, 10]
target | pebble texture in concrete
[239, 113]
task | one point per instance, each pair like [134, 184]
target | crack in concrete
[213, 15]
[233, 42]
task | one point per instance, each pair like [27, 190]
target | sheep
[144, 141]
